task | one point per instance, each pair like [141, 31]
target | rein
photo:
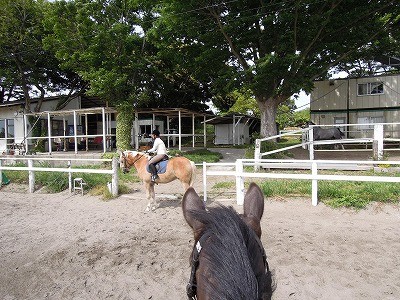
[133, 164]
[191, 288]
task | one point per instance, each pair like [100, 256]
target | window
[339, 121]
[368, 120]
[7, 130]
[145, 130]
[370, 88]
[57, 127]
[2, 128]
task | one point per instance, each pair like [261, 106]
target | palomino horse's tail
[193, 173]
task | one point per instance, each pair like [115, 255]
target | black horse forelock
[230, 253]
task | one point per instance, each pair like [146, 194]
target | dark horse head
[228, 259]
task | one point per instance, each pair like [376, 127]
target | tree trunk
[268, 108]
[38, 105]
[125, 119]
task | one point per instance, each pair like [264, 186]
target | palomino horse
[178, 168]
[228, 260]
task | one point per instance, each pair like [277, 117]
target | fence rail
[377, 136]
[313, 165]
[69, 169]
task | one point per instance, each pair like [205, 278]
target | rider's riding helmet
[156, 132]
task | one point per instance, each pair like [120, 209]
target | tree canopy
[108, 44]
[26, 68]
[272, 48]
[185, 53]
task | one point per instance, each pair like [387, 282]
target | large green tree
[107, 43]
[27, 69]
[273, 48]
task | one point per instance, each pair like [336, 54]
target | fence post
[204, 181]
[31, 176]
[239, 182]
[377, 144]
[114, 180]
[314, 184]
[1, 173]
[311, 142]
[69, 177]
[257, 151]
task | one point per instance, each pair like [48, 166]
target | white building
[358, 101]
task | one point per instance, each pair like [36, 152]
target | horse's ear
[254, 202]
[119, 152]
[191, 202]
[253, 208]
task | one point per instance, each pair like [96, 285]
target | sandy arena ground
[63, 246]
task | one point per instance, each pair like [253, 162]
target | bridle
[191, 288]
[126, 166]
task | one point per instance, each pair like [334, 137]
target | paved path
[230, 154]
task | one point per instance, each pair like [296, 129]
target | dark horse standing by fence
[228, 259]
[320, 133]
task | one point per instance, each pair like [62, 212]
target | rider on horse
[161, 152]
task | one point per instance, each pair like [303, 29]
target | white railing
[308, 140]
[313, 165]
[69, 169]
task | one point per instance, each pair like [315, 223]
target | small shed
[234, 129]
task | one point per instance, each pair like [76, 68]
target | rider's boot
[153, 171]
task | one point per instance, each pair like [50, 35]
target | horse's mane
[132, 152]
[230, 253]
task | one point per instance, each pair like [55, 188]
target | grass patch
[336, 194]
[286, 187]
[270, 146]
[224, 185]
[55, 182]
[198, 155]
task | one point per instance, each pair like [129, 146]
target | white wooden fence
[313, 165]
[377, 139]
[69, 169]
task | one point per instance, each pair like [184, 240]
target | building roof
[229, 118]
[171, 112]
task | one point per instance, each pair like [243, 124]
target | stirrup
[154, 178]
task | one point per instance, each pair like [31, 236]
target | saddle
[161, 166]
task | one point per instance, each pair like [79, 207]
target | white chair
[79, 184]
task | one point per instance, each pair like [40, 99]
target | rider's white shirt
[158, 147]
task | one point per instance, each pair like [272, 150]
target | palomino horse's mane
[134, 153]
[232, 249]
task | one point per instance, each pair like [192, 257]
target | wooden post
[311, 143]
[31, 176]
[26, 134]
[168, 131]
[75, 138]
[378, 142]
[205, 131]
[239, 182]
[257, 151]
[180, 130]
[49, 132]
[314, 184]
[205, 181]
[103, 117]
[69, 177]
[86, 132]
[193, 133]
[114, 180]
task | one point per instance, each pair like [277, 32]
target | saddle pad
[160, 166]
